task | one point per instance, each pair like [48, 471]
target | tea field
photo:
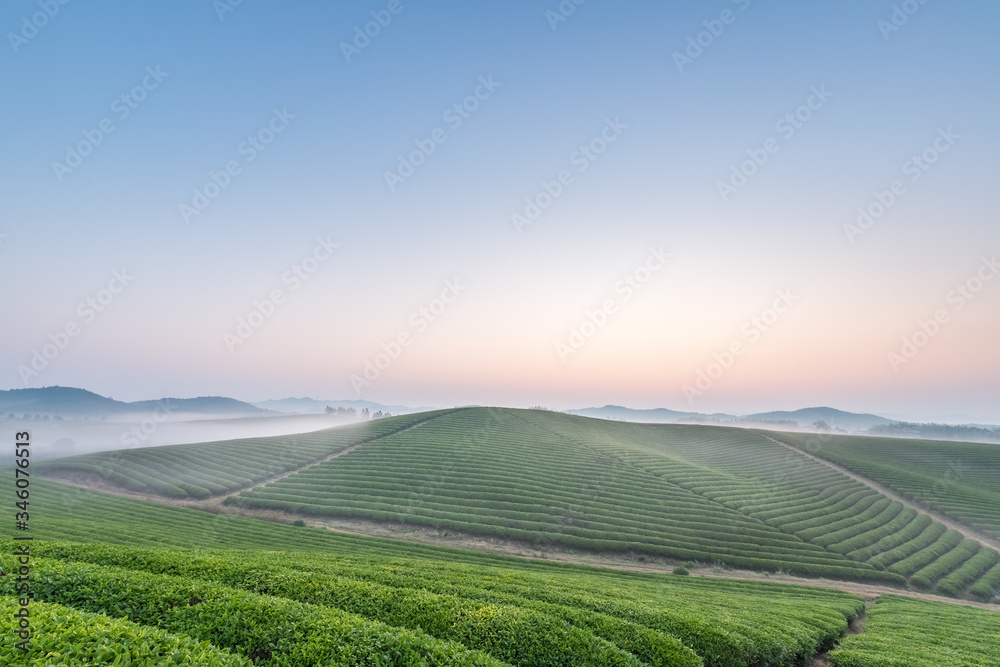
[688, 493]
[141, 583]
[957, 479]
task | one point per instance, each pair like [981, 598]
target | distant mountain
[806, 417]
[72, 403]
[215, 405]
[62, 401]
[964, 433]
[312, 406]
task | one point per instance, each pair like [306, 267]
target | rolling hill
[849, 421]
[701, 493]
[958, 479]
[68, 402]
[804, 418]
[203, 470]
[122, 579]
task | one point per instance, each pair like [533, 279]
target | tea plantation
[206, 469]
[958, 479]
[698, 493]
[901, 632]
[122, 581]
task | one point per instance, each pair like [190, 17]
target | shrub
[260, 626]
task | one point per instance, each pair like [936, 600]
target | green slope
[302, 596]
[212, 468]
[959, 479]
[700, 493]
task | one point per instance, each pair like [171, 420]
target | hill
[957, 479]
[700, 493]
[166, 585]
[805, 418]
[963, 433]
[68, 402]
[206, 469]
[848, 421]
[338, 599]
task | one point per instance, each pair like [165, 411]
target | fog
[57, 438]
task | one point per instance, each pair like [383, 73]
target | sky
[711, 206]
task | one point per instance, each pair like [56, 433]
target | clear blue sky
[199, 81]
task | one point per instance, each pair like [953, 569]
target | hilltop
[707, 494]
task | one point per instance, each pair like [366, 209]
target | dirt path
[970, 533]
[857, 627]
[626, 562]
[215, 503]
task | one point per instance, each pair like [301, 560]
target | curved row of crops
[329, 597]
[297, 608]
[684, 492]
[798, 495]
[706, 494]
[65, 636]
[259, 627]
[958, 479]
[202, 470]
[525, 483]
